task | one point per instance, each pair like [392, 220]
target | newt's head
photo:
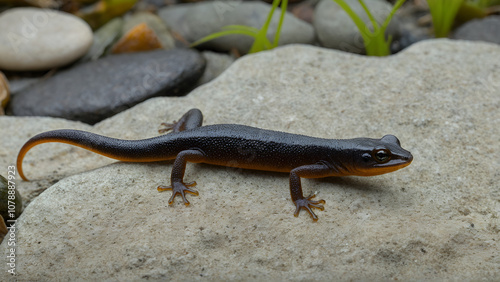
[379, 156]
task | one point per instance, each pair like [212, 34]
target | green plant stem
[375, 42]
[284, 5]
[261, 41]
[443, 14]
[260, 35]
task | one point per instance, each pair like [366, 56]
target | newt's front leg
[301, 202]
[177, 185]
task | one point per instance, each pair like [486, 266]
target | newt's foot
[167, 127]
[179, 188]
[307, 204]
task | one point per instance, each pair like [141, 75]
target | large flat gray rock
[437, 219]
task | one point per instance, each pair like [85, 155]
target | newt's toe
[166, 127]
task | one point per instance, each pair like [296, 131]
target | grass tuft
[443, 14]
[376, 44]
[261, 42]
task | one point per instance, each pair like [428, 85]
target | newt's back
[253, 148]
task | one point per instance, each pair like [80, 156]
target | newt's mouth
[392, 165]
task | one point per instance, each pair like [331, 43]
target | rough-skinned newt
[241, 146]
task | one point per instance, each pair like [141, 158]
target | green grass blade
[241, 27]
[360, 24]
[375, 42]
[443, 14]
[370, 16]
[391, 14]
[220, 34]
[260, 35]
[284, 5]
[270, 16]
[261, 42]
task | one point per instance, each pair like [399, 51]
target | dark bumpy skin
[243, 147]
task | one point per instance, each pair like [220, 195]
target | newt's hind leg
[192, 119]
[177, 185]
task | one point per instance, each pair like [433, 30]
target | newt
[241, 146]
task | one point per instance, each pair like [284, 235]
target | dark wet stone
[487, 29]
[96, 90]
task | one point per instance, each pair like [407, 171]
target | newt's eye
[382, 155]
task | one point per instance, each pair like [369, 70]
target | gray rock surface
[487, 29]
[195, 21]
[39, 39]
[335, 29]
[437, 219]
[96, 90]
[17, 85]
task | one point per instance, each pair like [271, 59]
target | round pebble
[487, 29]
[194, 21]
[40, 39]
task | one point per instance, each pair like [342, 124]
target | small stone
[197, 20]
[40, 39]
[139, 38]
[487, 29]
[3, 229]
[155, 23]
[4, 93]
[103, 38]
[335, 29]
[103, 11]
[16, 203]
[411, 31]
[96, 90]
[305, 10]
[216, 64]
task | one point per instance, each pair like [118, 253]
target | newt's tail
[123, 150]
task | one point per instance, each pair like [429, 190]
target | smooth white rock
[39, 39]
